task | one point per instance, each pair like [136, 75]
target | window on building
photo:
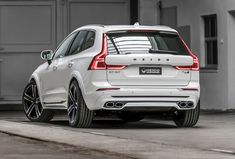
[134, 11]
[211, 48]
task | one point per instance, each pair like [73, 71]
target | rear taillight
[195, 66]
[98, 62]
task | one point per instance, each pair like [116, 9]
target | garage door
[27, 27]
[85, 12]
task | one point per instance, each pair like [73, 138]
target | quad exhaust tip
[119, 104]
[114, 104]
[185, 104]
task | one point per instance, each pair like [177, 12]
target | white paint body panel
[130, 75]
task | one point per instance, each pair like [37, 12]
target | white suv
[127, 70]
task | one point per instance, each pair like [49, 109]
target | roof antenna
[136, 24]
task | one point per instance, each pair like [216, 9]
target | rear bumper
[143, 97]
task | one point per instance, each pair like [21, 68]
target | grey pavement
[13, 147]
[213, 137]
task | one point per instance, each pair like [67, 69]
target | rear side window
[89, 41]
[145, 42]
[84, 40]
[76, 46]
[63, 48]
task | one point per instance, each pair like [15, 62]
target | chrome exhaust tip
[190, 104]
[119, 104]
[185, 104]
[114, 104]
[109, 104]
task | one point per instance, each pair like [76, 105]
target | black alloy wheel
[32, 105]
[78, 113]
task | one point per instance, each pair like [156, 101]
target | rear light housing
[195, 66]
[98, 62]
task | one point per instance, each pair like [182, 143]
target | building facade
[208, 26]
[27, 27]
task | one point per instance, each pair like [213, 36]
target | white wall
[231, 58]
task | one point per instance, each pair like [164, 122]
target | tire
[130, 117]
[32, 105]
[78, 113]
[187, 118]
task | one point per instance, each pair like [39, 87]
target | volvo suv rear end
[146, 70]
[128, 70]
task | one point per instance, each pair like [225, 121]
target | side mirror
[47, 55]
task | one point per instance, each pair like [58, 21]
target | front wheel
[78, 113]
[32, 105]
[187, 118]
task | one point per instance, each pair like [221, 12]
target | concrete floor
[13, 147]
[213, 137]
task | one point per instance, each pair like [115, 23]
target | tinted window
[76, 47]
[211, 48]
[90, 39]
[63, 48]
[143, 42]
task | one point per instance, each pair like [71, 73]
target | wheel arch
[34, 77]
[78, 78]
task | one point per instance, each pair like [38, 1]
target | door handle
[54, 68]
[70, 64]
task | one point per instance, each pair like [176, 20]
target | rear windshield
[145, 42]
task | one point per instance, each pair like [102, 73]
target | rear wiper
[163, 52]
[115, 46]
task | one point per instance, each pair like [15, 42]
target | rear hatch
[148, 58]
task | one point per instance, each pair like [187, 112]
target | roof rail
[101, 25]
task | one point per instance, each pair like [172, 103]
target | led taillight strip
[98, 62]
[195, 66]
